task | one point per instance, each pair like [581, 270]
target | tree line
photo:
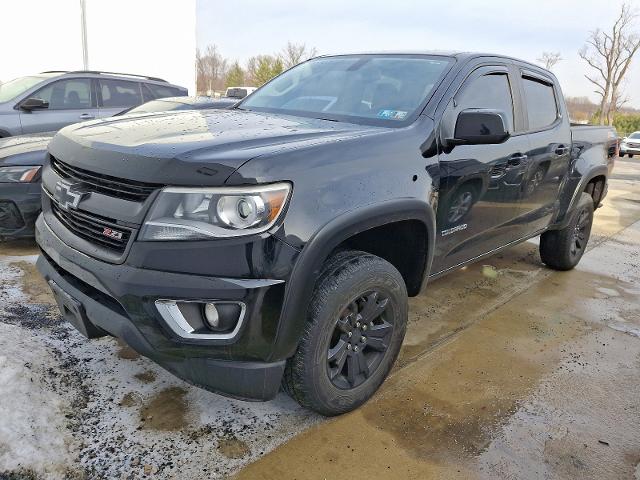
[607, 53]
[215, 72]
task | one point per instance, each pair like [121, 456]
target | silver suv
[51, 100]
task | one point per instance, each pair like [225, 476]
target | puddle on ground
[130, 399]
[32, 283]
[165, 411]
[21, 247]
[126, 352]
[433, 417]
[148, 376]
[629, 329]
[232, 447]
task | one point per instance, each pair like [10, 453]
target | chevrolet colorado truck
[276, 243]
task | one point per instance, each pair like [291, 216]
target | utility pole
[85, 48]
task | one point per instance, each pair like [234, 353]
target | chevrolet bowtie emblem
[69, 195]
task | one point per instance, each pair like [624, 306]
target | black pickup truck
[277, 242]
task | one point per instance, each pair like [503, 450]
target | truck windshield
[13, 88]
[370, 89]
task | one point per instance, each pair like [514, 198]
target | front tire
[563, 249]
[355, 326]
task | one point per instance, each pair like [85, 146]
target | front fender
[305, 272]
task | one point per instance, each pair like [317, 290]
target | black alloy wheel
[359, 340]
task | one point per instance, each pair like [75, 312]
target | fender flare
[565, 215]
[299, 287]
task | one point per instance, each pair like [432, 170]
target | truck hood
[24, 149]
[201, 147]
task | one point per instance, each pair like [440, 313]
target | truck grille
[105, 184]
[92, 227]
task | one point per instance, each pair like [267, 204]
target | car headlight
[18, 174]
[204, 213]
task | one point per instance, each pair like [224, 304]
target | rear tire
[563, 249]
[355, 326]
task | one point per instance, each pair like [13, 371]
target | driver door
[479, 195]
[70, 101]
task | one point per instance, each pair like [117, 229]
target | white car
[630, 145]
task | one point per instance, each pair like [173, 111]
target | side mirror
[34, 104]
[479, 127]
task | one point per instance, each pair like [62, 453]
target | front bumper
[119, 299]
[626, 149]
[20, 204]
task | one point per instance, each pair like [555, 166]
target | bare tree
[295, 53]
[610, 55]
[549, 59]
[211, 68]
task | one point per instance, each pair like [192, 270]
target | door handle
[87, 116]
[517, 160]
[561, 150]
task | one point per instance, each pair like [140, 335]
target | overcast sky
[524, 29]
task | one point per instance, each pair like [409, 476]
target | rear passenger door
[479, 194]
[549, 153]
[70, 101]
[117, 95]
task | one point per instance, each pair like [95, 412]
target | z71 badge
[457, 228]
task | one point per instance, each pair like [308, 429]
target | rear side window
[542, 108]
[66, 94]
[489, 91]
[120, 93]
[161, 91]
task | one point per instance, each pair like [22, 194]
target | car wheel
[631, 155]
[355, 326]
[621, 155]
[563, 249]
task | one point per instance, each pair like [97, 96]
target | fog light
[211, 315]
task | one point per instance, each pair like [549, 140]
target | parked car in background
[239, 92]
[630, 145]
[22, 156]
[51, 100]
[276, 242]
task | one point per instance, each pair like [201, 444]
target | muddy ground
[508, 370]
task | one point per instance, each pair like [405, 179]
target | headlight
[204, 213]
[18, 174]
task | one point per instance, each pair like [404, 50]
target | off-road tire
[563, 249]
[346, 276]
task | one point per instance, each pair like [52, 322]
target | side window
[542, 108]
[160, 91]
[120, 93]
[489, 91]
[67, 94]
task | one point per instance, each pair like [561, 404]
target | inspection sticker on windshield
[392, 114]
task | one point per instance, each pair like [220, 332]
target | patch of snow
[32, 431]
